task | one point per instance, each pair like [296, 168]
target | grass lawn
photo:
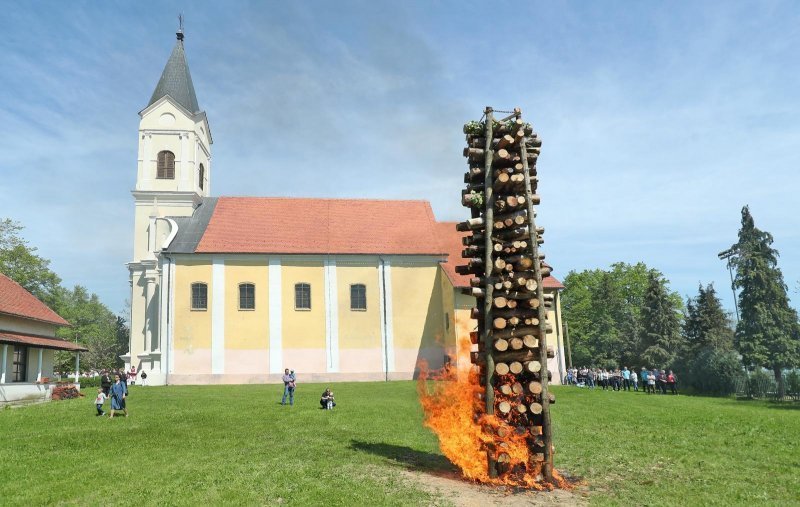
[237, 445]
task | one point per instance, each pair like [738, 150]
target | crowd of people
[651, 381]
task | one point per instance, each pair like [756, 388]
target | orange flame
[452, 400]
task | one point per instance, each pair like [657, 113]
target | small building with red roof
[27, 344]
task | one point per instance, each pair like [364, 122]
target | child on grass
[327, 400]
[99, 401]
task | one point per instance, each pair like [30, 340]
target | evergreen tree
[707, 325]
[767, 334]
[661, 337]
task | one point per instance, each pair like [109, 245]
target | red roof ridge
[311, 198]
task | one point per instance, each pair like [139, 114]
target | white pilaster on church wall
[331, 316]
[218, 315]
[149, 286]
[171, 319]
[385, 304]
[275, 320]
[163, 302]
[186, 172]
[147, 162]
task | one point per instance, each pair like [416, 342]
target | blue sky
[660, 120]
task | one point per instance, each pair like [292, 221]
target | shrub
[65, 393]
[760, 384]
[793, 383]
[714, 372]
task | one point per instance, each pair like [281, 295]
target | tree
[603, 309]
[19, 262]
[767, 334]
[661, 337]
[94, 326]
[707, 325]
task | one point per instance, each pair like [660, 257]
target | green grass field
[236, 445]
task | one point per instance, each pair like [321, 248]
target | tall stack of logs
[506, 269]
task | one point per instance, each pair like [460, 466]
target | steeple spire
[176, 81]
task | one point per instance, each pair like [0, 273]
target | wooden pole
[488, 300]
[547, 467]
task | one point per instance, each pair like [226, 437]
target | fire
[452, 400]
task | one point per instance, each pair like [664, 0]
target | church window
[247, 296]
[201, 177]
[302, 296]
[358, 296]
[166, 165]
[19, 370]
[199, 296]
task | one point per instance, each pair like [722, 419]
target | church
[236, 289]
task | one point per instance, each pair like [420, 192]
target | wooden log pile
[503, 258]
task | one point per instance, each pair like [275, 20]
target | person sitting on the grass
[99, 401]
[327, 400]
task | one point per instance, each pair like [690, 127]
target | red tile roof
[41, 342]
[14, 300]
[451, 241]
[320, 226]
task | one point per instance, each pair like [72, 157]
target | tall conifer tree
[767, 334]
[661, 337]
[707, 325]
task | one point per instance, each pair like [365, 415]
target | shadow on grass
[784, 405]
[406, 456]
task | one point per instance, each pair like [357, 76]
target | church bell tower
[173, 176]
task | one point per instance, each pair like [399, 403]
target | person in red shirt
[673, 387]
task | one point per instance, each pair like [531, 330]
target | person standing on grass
[626, 379]
[651, 382]
[671, 382]
[644, 376]
[590, 378]
[288, 387]
[144, 378]
[634, 380]
[118, 394]
[662, 382]
[105, 382]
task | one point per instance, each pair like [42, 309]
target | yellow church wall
[417, 317]
[358, 329]
[192, 328]
[303, 333]
[246, 331]
[448, 308]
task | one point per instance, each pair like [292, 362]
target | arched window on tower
[166, 165]
[201, 177]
